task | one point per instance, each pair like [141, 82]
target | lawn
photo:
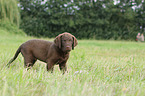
[96, 68]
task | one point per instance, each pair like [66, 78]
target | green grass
[96, 68]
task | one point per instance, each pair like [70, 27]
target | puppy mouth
[67, 50]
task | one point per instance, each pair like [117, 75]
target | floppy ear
[75, 42]
[57, 41]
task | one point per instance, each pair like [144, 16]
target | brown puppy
[52, 53]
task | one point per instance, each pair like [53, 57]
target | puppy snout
[68, 47]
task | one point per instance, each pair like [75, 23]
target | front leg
[50, 66]
[63, 67]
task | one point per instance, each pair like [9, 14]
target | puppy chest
[61, 60]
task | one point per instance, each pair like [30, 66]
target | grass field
[96, 68]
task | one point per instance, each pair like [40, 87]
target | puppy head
[66, 42]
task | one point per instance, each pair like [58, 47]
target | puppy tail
[16, 55]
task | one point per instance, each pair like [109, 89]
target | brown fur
[52, 53]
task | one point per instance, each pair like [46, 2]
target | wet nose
[68, 47]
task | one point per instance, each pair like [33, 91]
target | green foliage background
[10, 16]
[97, 19]
[86, 19]
[9, 11]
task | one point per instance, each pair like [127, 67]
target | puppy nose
[67, 46]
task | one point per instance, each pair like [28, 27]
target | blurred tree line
[10, 16]
[97, 19]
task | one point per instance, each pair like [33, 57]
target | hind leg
[29, 59]
[29, 62]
